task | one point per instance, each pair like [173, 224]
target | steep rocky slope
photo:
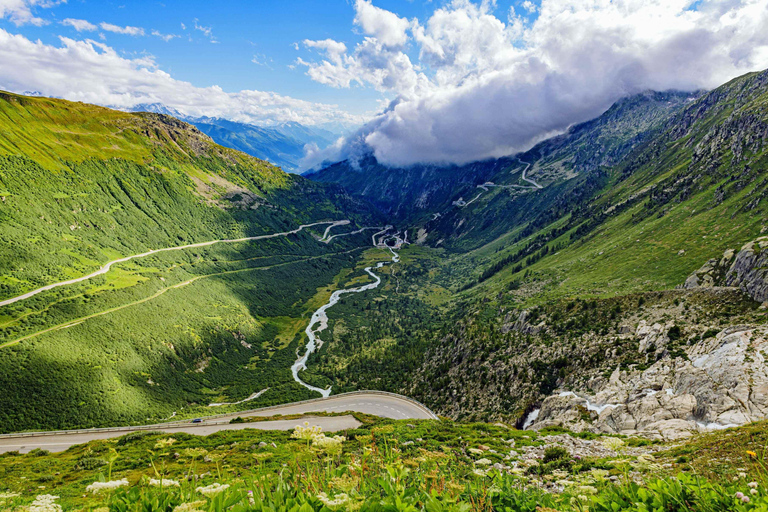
[747, 270]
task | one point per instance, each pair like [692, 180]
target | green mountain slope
[81, 186]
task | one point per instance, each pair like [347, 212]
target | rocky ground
[721, 382]
[715, 382]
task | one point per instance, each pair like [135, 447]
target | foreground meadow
[392, 465]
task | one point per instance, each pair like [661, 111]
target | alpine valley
[610, 281]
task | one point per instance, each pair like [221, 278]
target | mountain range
[282, 144]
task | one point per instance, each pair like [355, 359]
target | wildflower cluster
[97, 487]
[333, 502]
[163, 482]
[613, 443]
[212, 490]
[330, 445]
[45, 503]
[195, 506]
[306, 432]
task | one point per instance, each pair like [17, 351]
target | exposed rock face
[521, 324]
[712, 273]
[723, 382]
[750, 270]
[747, 270]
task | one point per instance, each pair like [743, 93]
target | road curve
[378, 403]
[529, 180]
[107, 266]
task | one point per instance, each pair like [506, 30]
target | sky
[439, 81]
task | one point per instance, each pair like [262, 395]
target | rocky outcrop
[750, 270]
[521, 324]
[712, 273]
[747, 270]
[721, 382]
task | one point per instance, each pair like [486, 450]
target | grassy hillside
[82, 185]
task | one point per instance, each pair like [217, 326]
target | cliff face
[719, 382]
[747, 270]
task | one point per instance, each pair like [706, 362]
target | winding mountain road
[107, 266]
[461, 203]
[377, 403]
[524, 178]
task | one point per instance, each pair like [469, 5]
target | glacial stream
[319, 321]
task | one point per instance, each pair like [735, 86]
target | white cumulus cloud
[387, 27]
[117, 29]
[80, 25]
[485, 87]
[21, 12]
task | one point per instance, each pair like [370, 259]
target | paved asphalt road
[385, 405]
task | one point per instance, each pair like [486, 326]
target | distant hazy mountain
[282, 145]
[307, 134]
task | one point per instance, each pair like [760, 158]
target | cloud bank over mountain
[480, 87]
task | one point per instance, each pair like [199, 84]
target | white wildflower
[8, 495]
[190, 507]
[97, 487]
[307, 432]
[753, 485]
[336, 501]
[330, 445]
[212, 490]
[483, 462]
[613, 443]
[163, 483]
[479, 472]
[475, 451]
[45, 503]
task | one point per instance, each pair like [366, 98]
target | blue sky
[245, 31]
